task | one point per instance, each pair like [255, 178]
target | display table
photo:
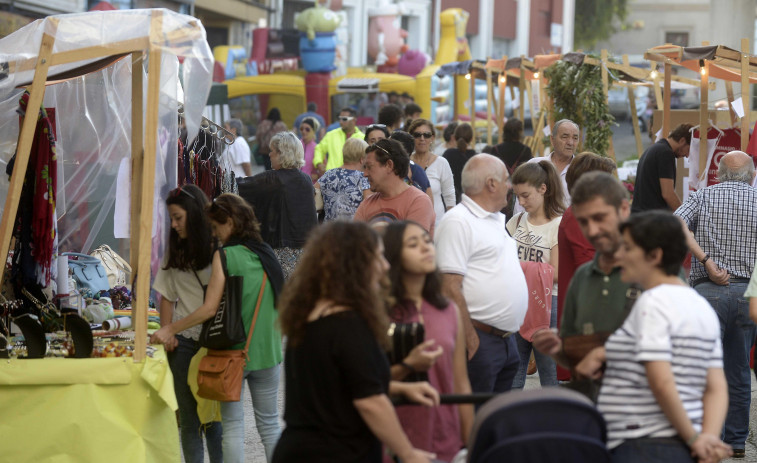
[88, 410]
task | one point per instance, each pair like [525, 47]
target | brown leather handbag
[220, 371]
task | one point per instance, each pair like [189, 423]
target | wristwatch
[704, 259]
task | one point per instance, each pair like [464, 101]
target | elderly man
[482, 275]
[238, 154]
[656, 173]
[385, 167]
[328, 153]
[723, 219]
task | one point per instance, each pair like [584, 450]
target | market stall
[111, 79]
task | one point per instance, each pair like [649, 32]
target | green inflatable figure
[317, 19]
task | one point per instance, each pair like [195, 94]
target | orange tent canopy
[725, 63]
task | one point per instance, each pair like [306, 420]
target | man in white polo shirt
[482, 275]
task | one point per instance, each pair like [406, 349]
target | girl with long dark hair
[416, 291]
[180, 281]
[539, 190]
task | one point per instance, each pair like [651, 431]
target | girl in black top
[457, 157]
[337, 375]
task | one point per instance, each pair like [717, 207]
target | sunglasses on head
[375, 147]
[345, 118]
[220, 206]
[177, 191]
[425, 135]
[375, 127]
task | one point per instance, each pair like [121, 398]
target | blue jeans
[652, 450]
[264, 389]
[191, 429]
[494, 364]
[737, 332]
[544, 363]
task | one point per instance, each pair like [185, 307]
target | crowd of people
[496, 256]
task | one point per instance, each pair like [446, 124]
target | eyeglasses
[425, 135]
[345, 118]
[220, 206]
[375, 147]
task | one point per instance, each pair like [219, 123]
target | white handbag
[116, 268]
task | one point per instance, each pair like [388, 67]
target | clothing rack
[213, 129]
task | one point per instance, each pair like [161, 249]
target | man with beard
[597, 300]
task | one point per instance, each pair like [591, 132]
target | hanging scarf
[45, 175]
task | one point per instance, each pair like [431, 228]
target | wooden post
[25, 140]
[729, 94]
[144, 235]
[489, 106]
[666, 100]
[473, 106]
[501, 113]
[456, 95]
[634, 116]
[137, 144]
[704, 125]
[605, 90]
[522, 92]
[746, 98]
[529, 93]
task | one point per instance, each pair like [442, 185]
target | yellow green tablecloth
[88, 410]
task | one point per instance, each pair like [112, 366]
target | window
[677, 38]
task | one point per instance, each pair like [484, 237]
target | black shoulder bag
[225, 328]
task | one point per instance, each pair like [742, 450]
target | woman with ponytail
[457, 157]
[538, 188]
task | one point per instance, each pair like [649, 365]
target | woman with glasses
[284, 200]
[436, 167]
[340, 191]
[457, 157]
[233, 223]
[180, 281]
[308, 129]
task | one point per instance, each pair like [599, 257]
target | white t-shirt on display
[668, 323]
[473, 242]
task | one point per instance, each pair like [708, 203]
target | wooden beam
[729, 95]
[26, 139]
[704, 125]
[144, 235]
[137, 154]
[522, 92]
[473, 106]
[489, 106]
[605, 91]
[666, 102]
[634, 116]
[746, 98]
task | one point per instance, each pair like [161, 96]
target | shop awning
[724, 62]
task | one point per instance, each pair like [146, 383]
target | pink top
[434, 429]
[309, 151]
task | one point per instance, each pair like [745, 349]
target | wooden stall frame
[143, 155]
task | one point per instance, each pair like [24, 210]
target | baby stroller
[552, 425]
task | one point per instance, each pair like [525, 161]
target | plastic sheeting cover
[93, 115]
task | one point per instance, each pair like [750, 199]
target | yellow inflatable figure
[453, 46]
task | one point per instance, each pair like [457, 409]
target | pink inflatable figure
[386, 41]
[412, 62]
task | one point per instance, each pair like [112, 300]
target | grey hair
[561, 122]
[743, 174]
[354, 150]
[478, 170]
[235, 123]
[291, 153]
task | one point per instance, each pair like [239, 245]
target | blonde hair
[291, 152]
[354, 150]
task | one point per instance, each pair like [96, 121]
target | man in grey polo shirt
[482, 275]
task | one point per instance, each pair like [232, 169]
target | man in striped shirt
[723, 220]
